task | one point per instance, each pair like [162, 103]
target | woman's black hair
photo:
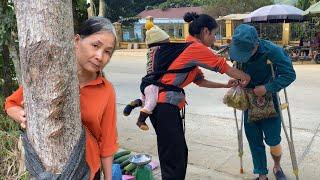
[94, 25]
[199, 21]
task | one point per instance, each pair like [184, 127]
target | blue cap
[244, 40]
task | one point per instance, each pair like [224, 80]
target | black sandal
[279, 174]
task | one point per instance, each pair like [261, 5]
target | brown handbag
[260, 107]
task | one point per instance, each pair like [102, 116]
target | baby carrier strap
[163, 58]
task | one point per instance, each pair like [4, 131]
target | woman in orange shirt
[166, 117]
[94, 45]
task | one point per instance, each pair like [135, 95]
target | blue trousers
[268, 130]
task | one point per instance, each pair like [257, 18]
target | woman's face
[94, 52]
[207, 37]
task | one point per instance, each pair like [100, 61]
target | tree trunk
[15, 59]
[102, 8]
[7, 87]
[49, 78]
[92, 9]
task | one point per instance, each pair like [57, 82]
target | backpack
[163, 57]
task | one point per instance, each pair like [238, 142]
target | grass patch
[9, 153]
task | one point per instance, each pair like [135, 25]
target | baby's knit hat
[154, 34]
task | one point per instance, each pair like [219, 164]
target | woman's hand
[260, 90]
[241, 76]
[244, 80]
[17, 113]
[232, 83]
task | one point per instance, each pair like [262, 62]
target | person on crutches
[253, 54]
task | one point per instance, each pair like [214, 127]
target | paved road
[211, 131]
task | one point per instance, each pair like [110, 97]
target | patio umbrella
[313, 9]
[275, 14]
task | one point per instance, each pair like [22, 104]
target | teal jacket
[260, 71]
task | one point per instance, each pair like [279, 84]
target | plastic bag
[236, 97]
[116, 172]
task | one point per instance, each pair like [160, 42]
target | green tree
[7, 29]
[303, 4]
[116, 9]
[218, 8]
[80, 14]
[182, 3]
[289, 2]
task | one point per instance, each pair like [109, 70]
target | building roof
[177, 13]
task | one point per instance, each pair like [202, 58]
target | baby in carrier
[154, 37]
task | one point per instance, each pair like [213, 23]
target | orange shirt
[197, 55]
[98, 114]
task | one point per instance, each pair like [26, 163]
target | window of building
[180, 33]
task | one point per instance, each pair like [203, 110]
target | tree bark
[102, 8]
[49, 79]
[14, 54]
[92, 9]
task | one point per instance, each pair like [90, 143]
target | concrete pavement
[212, 144]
